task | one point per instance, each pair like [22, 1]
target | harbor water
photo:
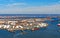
[52, 31]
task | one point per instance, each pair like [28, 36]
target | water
[52, 31]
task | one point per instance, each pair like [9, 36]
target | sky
[29, 6]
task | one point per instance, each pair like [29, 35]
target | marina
[29, 18]
[27, 27]
[11, 24]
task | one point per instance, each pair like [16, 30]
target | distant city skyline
[29, 6]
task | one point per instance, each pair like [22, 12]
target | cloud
[23, 8]
[52, 9]
[12, 5]
[15, 4]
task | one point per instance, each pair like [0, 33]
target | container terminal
[12, 23]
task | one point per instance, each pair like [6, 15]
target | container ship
[13, 23]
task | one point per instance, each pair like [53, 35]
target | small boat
[58, 24]
[33, 29]
[43, 24]
[36, 28]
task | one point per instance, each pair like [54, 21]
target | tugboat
[58, 25]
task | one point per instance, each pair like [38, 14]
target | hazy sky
[29, 6]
